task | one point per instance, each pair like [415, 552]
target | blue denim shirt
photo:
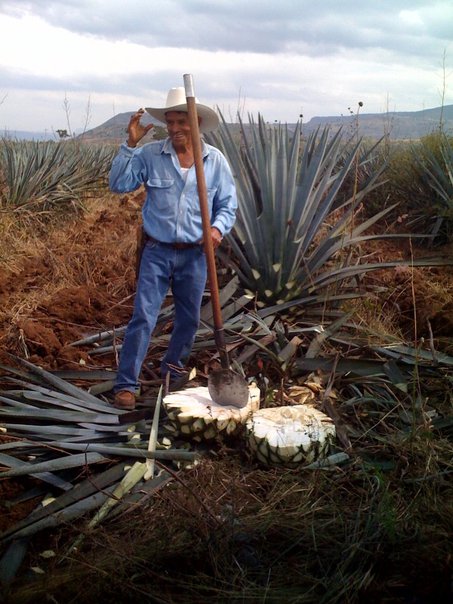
[171, 211]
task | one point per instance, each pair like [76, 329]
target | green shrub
[420, 179]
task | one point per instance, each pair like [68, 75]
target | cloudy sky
[281, 58]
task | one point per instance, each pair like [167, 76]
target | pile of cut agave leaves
[89, 459]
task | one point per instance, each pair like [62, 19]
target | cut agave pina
[290, 435]
[192, 413]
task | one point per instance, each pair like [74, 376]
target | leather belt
[175, 245]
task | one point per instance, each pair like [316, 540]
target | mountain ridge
[397, 125]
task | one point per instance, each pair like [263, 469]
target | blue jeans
[162, 267]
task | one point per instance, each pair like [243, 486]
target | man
[173, 255]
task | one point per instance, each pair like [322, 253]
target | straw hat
[176, 101]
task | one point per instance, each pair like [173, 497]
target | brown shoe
[124, 400]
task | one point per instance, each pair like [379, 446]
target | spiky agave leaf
[282, 247]
[43, 175]
[50, 423]
[438, 170]
[71, 461]
[279, 240]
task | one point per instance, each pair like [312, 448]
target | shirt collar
[167, 147]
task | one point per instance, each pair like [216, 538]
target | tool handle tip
[188, 85]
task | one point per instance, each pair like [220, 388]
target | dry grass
[91, 260]
[16, 243]
[375, 320]
[358, 534]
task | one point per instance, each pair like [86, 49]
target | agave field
[337, 297]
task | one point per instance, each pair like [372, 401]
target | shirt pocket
[160, 183]
[161, 193]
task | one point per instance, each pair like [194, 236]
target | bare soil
[83, 283]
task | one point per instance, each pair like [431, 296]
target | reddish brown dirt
[9, 489]
[84, 284]
[420, 297]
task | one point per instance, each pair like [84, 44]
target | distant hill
[115, 129]
[399, 125]
[24, 135]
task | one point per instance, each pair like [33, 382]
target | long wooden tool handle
[219, 333]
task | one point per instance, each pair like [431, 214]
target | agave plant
[43, 175]
[438, 170]
[285, 239]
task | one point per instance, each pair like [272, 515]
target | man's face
[178, 128]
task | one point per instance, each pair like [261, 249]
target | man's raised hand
[136, 130]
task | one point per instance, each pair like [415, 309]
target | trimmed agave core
[289, 435]
[194, 414]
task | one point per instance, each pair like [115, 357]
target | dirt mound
[80, 282]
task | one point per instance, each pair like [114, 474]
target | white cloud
[280, 58]
[411, 18]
